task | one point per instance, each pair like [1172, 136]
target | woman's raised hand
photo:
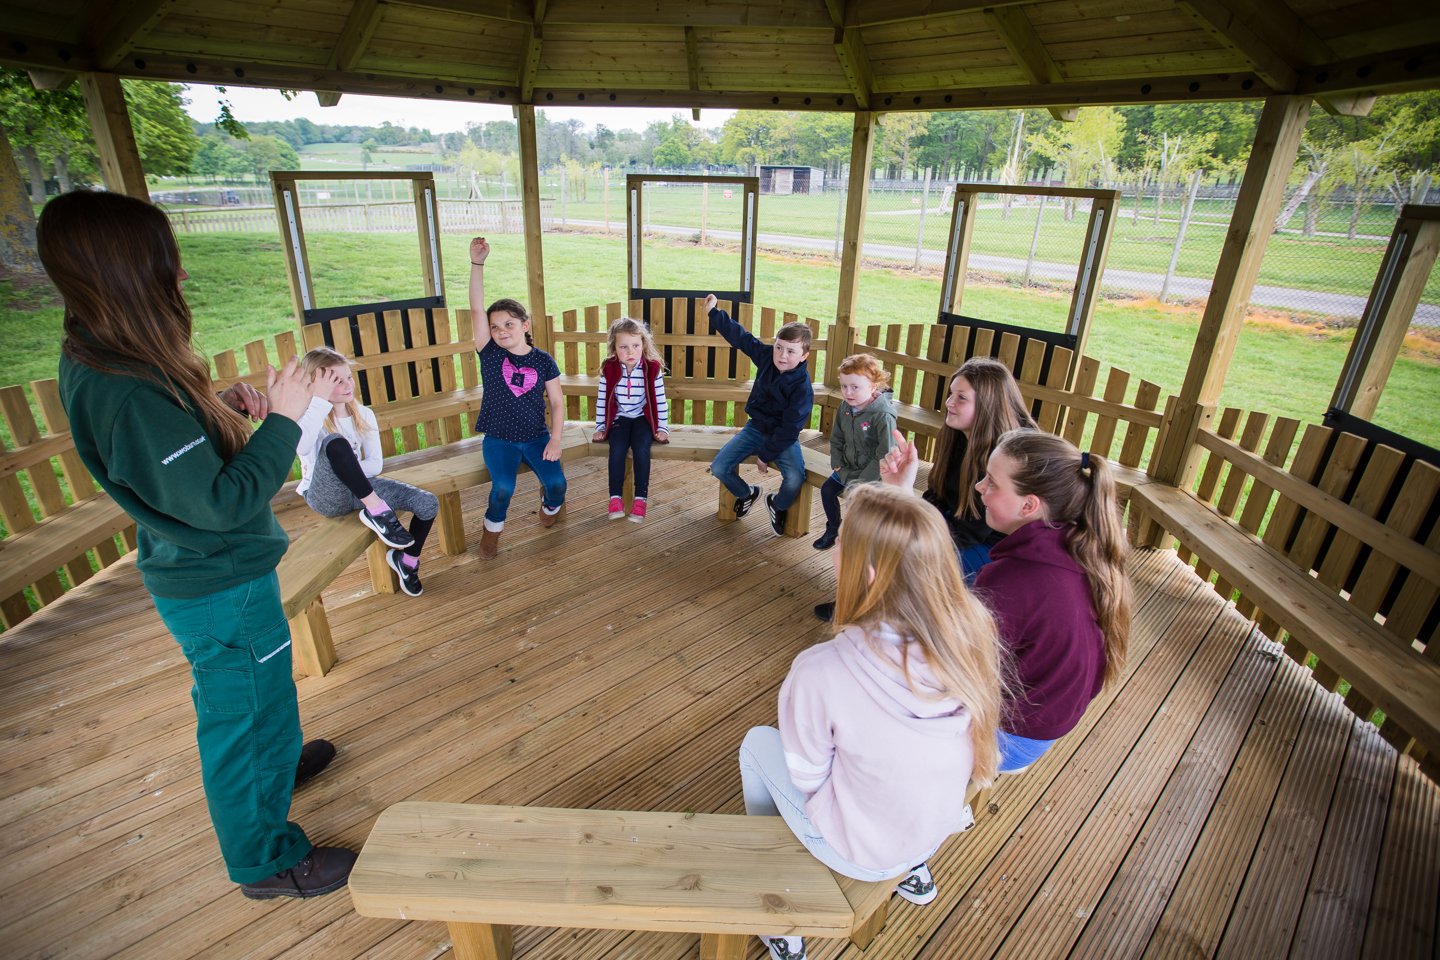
[288, 390]
[899, 467]
[243, 398]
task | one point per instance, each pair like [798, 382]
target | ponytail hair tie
[1084, 459]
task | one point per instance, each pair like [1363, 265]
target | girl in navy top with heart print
[517, 379]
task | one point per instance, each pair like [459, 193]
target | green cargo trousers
[247, 721]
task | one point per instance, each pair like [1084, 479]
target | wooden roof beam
[1234, 23]
[742, 13]
[865, 13]
[1348, 104]
[51, 79]
[127, 23]
[355, 37]
[850, 52]
[1018, 34]
[530, 65]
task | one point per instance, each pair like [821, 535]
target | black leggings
[346, 467]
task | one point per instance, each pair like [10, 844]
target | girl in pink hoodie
[882, 727]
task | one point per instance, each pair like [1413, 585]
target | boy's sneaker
[826, 540]
[785, 948]
[743, 504]
[825, 611]
[777, 517]
[617, 509]
[637, 510]
[918, 886]
[388, 528]
[409, 576]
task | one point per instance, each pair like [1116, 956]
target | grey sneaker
[388, 528]
[918, 886]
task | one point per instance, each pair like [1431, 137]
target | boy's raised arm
[479, 250]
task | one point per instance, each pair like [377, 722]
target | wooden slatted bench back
[1357, 522]
[725, 877]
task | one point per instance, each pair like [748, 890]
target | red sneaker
[637, 510]
[617, 509]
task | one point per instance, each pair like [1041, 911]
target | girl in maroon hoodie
[1056, 584]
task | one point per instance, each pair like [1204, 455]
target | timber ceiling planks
[791, 54]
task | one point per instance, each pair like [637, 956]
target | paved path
[1124, 281]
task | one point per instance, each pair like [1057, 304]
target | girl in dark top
[1056, 584]
[984, 402]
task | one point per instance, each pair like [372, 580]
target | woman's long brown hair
[114, 260]
[999, 407]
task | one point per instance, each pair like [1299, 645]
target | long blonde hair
[636, 328]
[898, 567]
[115, 262]
[999, 407]
[324, 358]
[1079, 489]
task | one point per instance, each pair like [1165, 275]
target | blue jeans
[247, 721]
[1017, 753]
[503, 459]
[743, 446]
[630, 435]
[972, 558]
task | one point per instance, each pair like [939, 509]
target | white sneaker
[785, 948]
[918, 886]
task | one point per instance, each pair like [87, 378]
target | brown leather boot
[489, 544]
[548, 519]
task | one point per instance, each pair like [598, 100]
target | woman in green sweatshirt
[184, 463]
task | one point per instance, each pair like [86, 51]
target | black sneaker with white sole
[408, 576]
[777, 517]
[918, 886]
[743, 504]
[388, 528]
[785, 948]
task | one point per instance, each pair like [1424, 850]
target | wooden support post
[862, 143]
[451, 525]
[1277, 140]
[866, 929]
[114, 137]
[530, 204]
[310, 639]
[1404, 270]
[382, 578]
[724, 946]
[481, 941]
[726, 511]
[797, 518]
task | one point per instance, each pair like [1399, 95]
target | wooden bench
[483, 869]
[1300, 559]
[316, 558]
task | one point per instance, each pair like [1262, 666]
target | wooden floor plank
[1268, 906]
[1332, 920]
[1125, 917]
[1403, 908]
[1195, 915]
[573, 673]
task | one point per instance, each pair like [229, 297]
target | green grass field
[239, 293]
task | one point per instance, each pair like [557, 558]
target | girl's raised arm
[479, 319]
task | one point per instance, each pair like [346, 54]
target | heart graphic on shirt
[518, 379]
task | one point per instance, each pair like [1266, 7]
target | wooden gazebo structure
[1224, 800]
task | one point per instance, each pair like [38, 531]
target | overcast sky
[251, 104]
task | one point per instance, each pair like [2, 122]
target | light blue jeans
[1017, 753]
[503, 458]
[743, 446]
[769, 792]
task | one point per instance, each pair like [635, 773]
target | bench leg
[628, 490]
[311, 641]
[451, 525]
[866, 930]
[726, 511]
[382, 578]
[797, 518]
[481, 941]
[723, 946]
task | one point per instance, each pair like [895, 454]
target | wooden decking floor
[1217, 804]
